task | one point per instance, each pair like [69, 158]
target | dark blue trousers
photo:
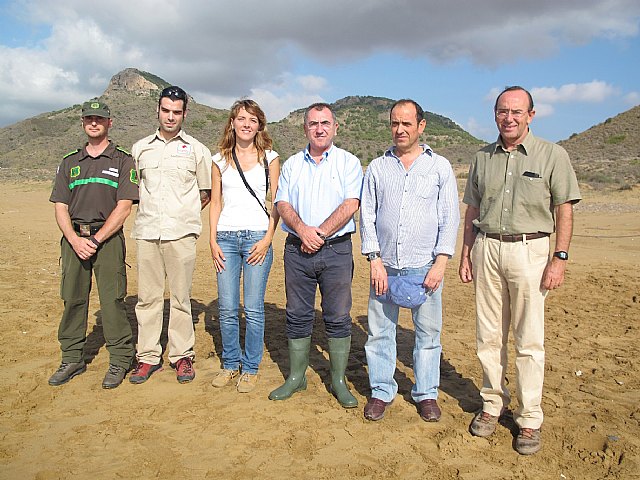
[330, 269]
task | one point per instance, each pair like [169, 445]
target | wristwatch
[561, 255]
[372, 256]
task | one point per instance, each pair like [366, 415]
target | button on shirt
[516, 191]
[316, 190]
[409, 216]
[172, 173]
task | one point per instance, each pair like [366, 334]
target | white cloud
[543, 109]
[592, 92]
[484, 131]
[226, 50]
[632, 99]
[277, 99]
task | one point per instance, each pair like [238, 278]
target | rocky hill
[608, 153]
[32, 148]
[364, 131]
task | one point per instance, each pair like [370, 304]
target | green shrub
[615, 139]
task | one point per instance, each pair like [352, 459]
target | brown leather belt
[516, 237]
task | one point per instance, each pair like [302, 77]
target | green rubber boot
[298, 363]
[338, 358]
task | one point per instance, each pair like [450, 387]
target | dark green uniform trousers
[111, 277]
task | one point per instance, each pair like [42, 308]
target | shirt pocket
[426, 186]
[149, 172]
[186, 168]
[533, 191]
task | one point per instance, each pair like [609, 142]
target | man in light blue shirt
[408, 222]
[318, 193]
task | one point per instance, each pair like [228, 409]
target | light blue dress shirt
[411, 216]
[316, 190]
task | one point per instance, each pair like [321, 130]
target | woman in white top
[240, 237]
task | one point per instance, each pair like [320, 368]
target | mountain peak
[135, 81]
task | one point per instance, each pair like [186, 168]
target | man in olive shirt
[175, 184]
[520, 190]
[94, 190]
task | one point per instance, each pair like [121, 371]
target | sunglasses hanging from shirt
[246, 184]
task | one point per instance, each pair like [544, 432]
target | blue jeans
[330, 269]
[236, 246]
[381, 344]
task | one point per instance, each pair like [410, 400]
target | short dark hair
[403, 101]
[319, 106]
[514, 88]
[174, 93]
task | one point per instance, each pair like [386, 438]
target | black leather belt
[86, 230]
[516, 237]
[292, 239]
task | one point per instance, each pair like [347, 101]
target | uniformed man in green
[94, 190]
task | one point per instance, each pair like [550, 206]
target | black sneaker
[114, 376]
[66, 371]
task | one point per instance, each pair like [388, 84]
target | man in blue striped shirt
[408, 221]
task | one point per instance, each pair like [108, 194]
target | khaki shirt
[171, 173]
[516, 191]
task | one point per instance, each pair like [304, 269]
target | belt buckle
[85, 230]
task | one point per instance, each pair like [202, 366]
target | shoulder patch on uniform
[133, 176]
[123, 150]
[71, 153]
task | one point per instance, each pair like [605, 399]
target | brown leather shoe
[429, 410]
[374, 409]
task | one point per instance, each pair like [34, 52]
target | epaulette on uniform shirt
[71, 153]
[122, 150]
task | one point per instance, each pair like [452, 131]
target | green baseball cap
[96, 109]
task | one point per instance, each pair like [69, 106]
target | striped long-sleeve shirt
[411, 216]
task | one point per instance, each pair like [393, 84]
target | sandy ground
[165, 430]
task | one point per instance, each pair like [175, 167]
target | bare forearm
[469, 234]
[290, 216]
[63, 219]
[564, 226]
[205, 198]
[274, 219]
[114, 221]
[340, 216]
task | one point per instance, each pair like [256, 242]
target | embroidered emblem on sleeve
[133, 176]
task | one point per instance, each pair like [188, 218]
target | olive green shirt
[516, 191]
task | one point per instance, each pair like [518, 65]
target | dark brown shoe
[374, 409]
[429, 410]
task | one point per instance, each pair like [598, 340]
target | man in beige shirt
[520, 190]
[175, 184]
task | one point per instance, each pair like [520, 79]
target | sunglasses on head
[175, 93]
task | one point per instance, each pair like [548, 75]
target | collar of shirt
[426, 149]
[107, 152]
[525, 146]
[181, 135]
[325, 155]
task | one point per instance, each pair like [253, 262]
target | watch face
[561, 255]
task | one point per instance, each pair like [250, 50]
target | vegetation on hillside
[607, 154]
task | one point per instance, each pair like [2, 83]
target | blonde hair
[262, 140]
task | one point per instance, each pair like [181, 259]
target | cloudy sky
[579, 58]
